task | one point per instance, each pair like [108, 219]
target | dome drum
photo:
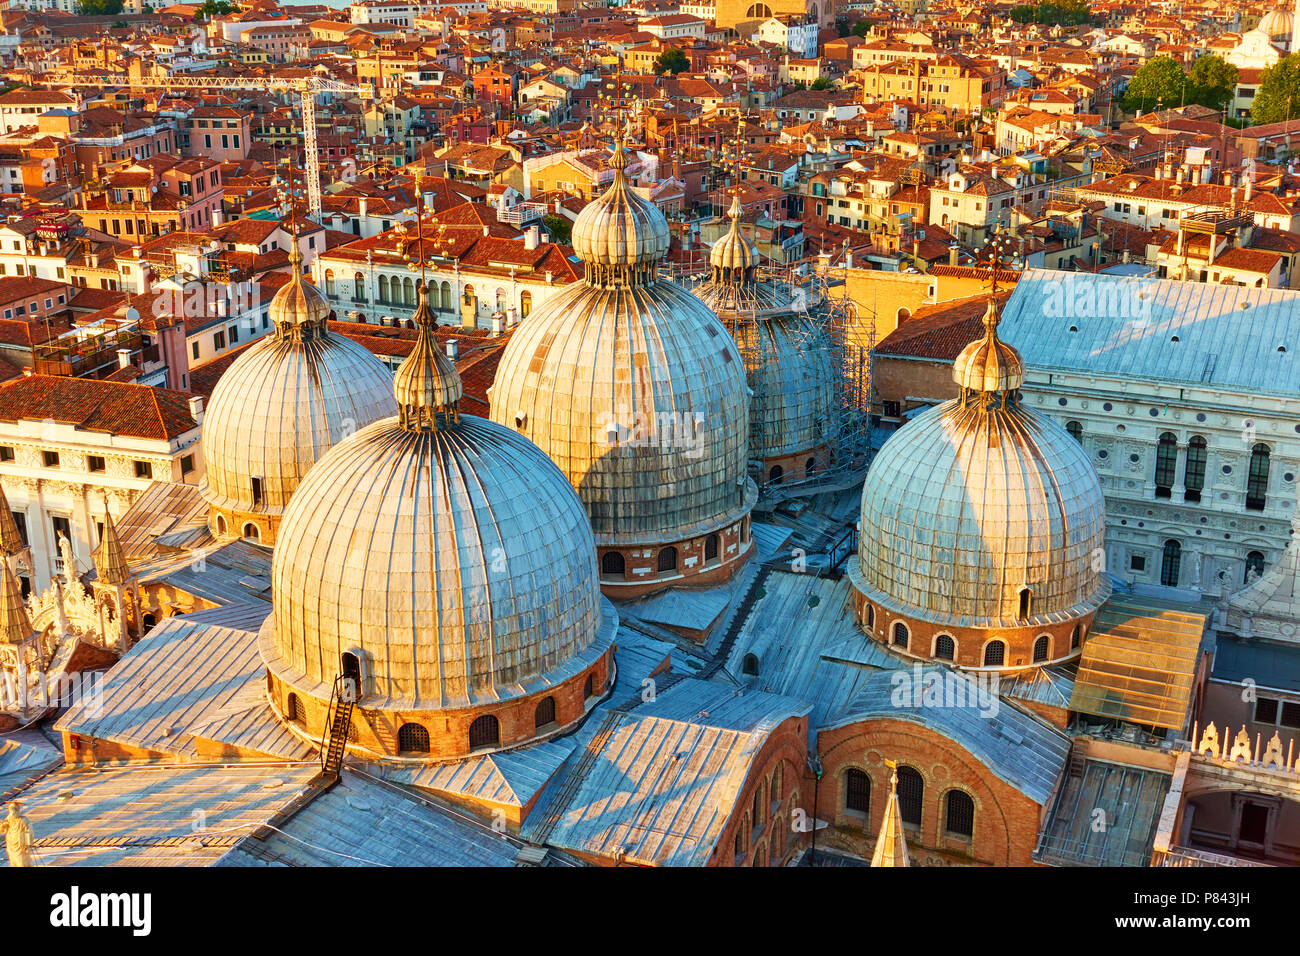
[420, 734]
[700, 561]
[1021, 647]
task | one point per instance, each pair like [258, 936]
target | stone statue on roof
[18, 836]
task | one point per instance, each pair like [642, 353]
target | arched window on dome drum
[612, 565]
[251, 532]
[900, 635]
[810, 466]
[383, 289]
[668, 560]
[774, 476]
[1042, 648]
[857, 791]
[359, 287]
[1254, 562]
[1194, 470]
[1076, 431]
[944, 647]
[749, 666]
[414, 739]
[995, 654]
[484, 732]
[1166, 464]
[711, 547]
[221, 525]
[589, 688]
[1025, 597]
[871, 615]
[1076, 637]
[1257, 481]
[1171, 560]
[545, 713]
[525, 304]
[911, 795]
[293, 709]
[959, 814]
[329, 282]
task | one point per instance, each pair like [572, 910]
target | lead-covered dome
[634, 388]
[1276, 24]
[447, 557]
[280, 406]
[981, 513]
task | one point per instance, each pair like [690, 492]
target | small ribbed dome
[427, 383]
[1277, 24]
[299, 305]
[283, 403]
[978, 499]
[620, 229]
[733, 254]
[456, 560]
[989, 364]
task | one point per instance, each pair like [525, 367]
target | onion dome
[282, 404]
[632, 386]
[978, 500]
[443, 550]
[989, 366]
[733, 258]
[620, 233]
[110, 560]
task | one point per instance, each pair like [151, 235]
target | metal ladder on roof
[338, 722]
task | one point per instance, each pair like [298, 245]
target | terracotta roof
[939, 331]
[118, 408]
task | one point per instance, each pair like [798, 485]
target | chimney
[1179, 178]
[498, 323]
[531, 237]
[363, 204]
[196, 408]
[453, 348]
[1227, 178]
[1250, 187]
[123, 358]
[952, 254]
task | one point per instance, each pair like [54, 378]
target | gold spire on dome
[110, 559]
[15, 625]
[891, 844]
[11, 541]
[427, 386]
[989, 371]
[298, 311]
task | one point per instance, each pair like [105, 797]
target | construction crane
[307, 88]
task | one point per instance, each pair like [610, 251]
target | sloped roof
[119, 408]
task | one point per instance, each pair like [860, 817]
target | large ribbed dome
[978, 499]
[634, 388]
[1276, 24]
[283, 403]
[445, 551]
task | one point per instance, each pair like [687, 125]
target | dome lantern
[989, 371]
[734, 259]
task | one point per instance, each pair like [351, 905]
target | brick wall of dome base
[449, 734]
[693, 562]
[972, 648]
[258, 527]
[796, 466]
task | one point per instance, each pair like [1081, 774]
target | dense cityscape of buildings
[769, 433]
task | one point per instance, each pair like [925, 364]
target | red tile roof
[118, 408]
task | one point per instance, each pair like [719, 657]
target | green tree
[1278, 97]
[672, 60]
[100, 8]
[561, 229]
[1212, 82]
[821, 83]
[214, 8]
[1052, 13]
[861, 28]
[1161, 82]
